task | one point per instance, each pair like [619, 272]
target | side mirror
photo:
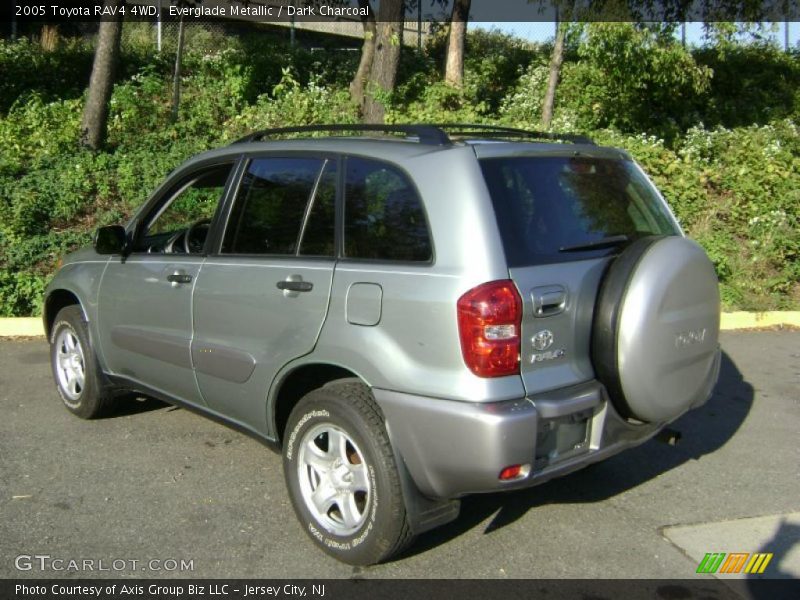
[111, 240]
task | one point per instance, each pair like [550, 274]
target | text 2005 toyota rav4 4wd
[408, 317]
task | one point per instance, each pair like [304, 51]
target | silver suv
[408, 317]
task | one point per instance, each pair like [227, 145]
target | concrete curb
[21, 327]
[753, 320]
[33, 327]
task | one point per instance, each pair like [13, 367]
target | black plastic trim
[427, 134]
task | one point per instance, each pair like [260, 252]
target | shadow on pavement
[704, 431]
[785, 539]
[126, 405]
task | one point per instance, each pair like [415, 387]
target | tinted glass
[318, 234]
[192, 200]
[545, 205]
[383, 217]
[270, 205]
[187, 208]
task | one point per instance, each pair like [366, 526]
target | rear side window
[546, 207]
[383, 214]
[270, 207]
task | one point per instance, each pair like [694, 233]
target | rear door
[262, 296]
[562, 219]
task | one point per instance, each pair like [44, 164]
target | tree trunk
[454, 67]
[49, 37]
[94, 124]
[555, 72]
[383, 74]
[176, 81]
[359, 82]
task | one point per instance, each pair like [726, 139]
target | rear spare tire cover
[656, 328]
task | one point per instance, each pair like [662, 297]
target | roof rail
[433, 135]
[427, 134]
[481, 131]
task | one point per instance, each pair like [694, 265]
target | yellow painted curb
[751, 320]
[21, 327]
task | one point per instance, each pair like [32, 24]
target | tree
[454, 67]
[176, 80]
[556, 60]
[94, 124]
[383, 73]
[367, 54]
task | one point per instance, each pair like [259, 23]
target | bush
[737, 192]
[28, 70]
[751, 83]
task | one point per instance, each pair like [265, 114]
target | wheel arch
[56, 300]
[298, 381]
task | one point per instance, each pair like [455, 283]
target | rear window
[548, 208]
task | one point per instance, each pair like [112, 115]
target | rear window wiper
[607, 242]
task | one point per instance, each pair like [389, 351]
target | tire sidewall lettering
[304, 419]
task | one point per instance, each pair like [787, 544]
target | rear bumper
[455, 448]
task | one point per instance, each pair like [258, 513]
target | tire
[359, 516]
[656, 329]
[74, 365]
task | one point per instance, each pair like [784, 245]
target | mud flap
[423, 513]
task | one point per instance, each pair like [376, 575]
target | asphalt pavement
[158, 483]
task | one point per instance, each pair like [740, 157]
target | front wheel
[341, 475]
[74, 365]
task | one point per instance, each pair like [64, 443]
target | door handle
[295, 286]
[549, 300]
[178, 278]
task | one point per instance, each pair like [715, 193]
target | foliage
[439, 103]
[633, 79]
[734, 182]
[752, 83]
[737, 192]
[493, 61]
[22, 64]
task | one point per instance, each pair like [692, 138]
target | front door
[145, 299]
[261, 298]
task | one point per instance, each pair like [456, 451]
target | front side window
[383, 214]
[271, 209]
[181, 223]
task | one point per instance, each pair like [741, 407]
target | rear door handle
[178, 278]
[549, 300]
[295, 286]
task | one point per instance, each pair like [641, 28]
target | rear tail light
[489, 322]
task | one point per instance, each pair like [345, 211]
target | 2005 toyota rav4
[409, 318]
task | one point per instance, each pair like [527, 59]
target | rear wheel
[341, 475]
[74, 365]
